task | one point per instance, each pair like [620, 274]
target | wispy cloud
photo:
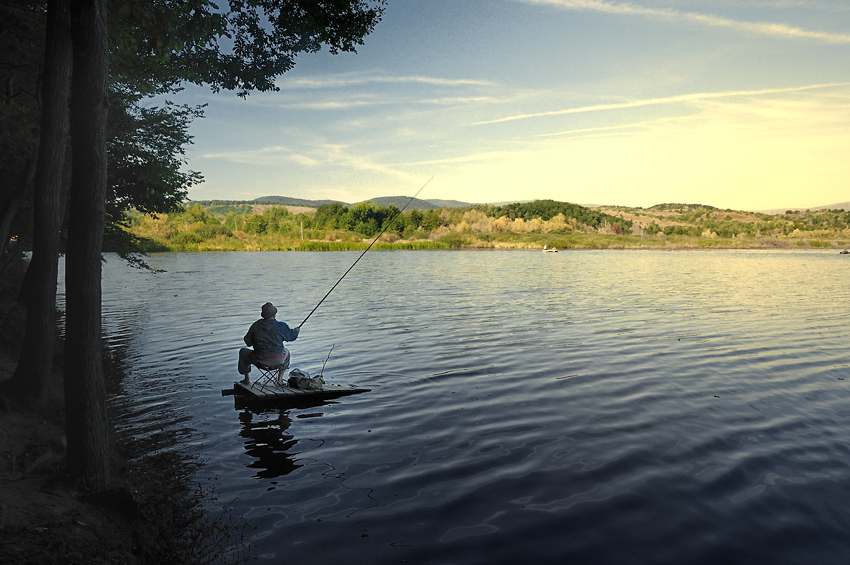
[347, 81]
[342, 158]
[602, 129]
[760, 28]
[452, 100]
[368, 101]
[332, 104]
[820, 5]
[324, 155]
[264, 156]
[657, 101]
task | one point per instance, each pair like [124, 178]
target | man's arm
[249, 337]
[287, 333]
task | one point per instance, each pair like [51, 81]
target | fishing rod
[367, 249]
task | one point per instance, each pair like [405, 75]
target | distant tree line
[706, 220]
[548, 209]
[337, 226]
[366, 220]
[370, 219]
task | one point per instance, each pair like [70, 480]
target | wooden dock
[274, 394]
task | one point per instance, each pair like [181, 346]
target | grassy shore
[240, 241]
[517, 226]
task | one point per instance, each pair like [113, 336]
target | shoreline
[836, 249]
[476, 240]
[43, 516]
[150, 513]
[517, 226]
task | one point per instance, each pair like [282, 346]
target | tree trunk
[10, 211]
[13, 203]
[64, 188]
[85, 391]
[36, 359]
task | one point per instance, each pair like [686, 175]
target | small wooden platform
[282, 394]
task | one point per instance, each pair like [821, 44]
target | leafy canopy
[242, 46]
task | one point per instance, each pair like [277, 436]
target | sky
[741, 104]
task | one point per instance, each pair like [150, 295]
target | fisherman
[266, 336]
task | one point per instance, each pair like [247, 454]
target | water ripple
[604, 407]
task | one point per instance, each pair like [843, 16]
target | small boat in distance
[547, 249]
[844, 252]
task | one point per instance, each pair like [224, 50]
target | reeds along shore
[668, 227]
[249, 242]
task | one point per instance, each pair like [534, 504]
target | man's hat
[269, 311]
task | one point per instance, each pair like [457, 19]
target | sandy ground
[43, 517]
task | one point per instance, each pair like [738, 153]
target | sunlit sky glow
[740, 104]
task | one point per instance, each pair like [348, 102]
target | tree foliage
[341, 227]
[146, 152]
[156, 46]
[548, 209]
[242, 46]
[363, 218]
[21, 56]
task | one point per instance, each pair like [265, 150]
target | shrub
[187, 238]
[209, 231]
[454, 239]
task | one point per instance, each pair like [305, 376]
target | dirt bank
[44, 518]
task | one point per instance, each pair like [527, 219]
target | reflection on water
[268, 444]
[605, 407]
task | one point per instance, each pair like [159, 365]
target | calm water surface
[597, 406]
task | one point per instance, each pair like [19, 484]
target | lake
[585, 406]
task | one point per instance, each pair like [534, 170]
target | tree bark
[11, 210]
[85, 391]
[13, 203]
[35, 365]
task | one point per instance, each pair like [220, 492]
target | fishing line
[364, 252]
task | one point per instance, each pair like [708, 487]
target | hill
[265, 200]
[449, 203]
[397, 201]
[400, 202]
[839, 206]
[417, 204]
[287, 201]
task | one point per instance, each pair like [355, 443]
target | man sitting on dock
[266, 336]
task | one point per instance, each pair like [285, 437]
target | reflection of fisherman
[266, 336]
[269, 442]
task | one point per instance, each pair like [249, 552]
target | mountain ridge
[421, 204]
[397, 201]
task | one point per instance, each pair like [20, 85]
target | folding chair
[270, 376]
